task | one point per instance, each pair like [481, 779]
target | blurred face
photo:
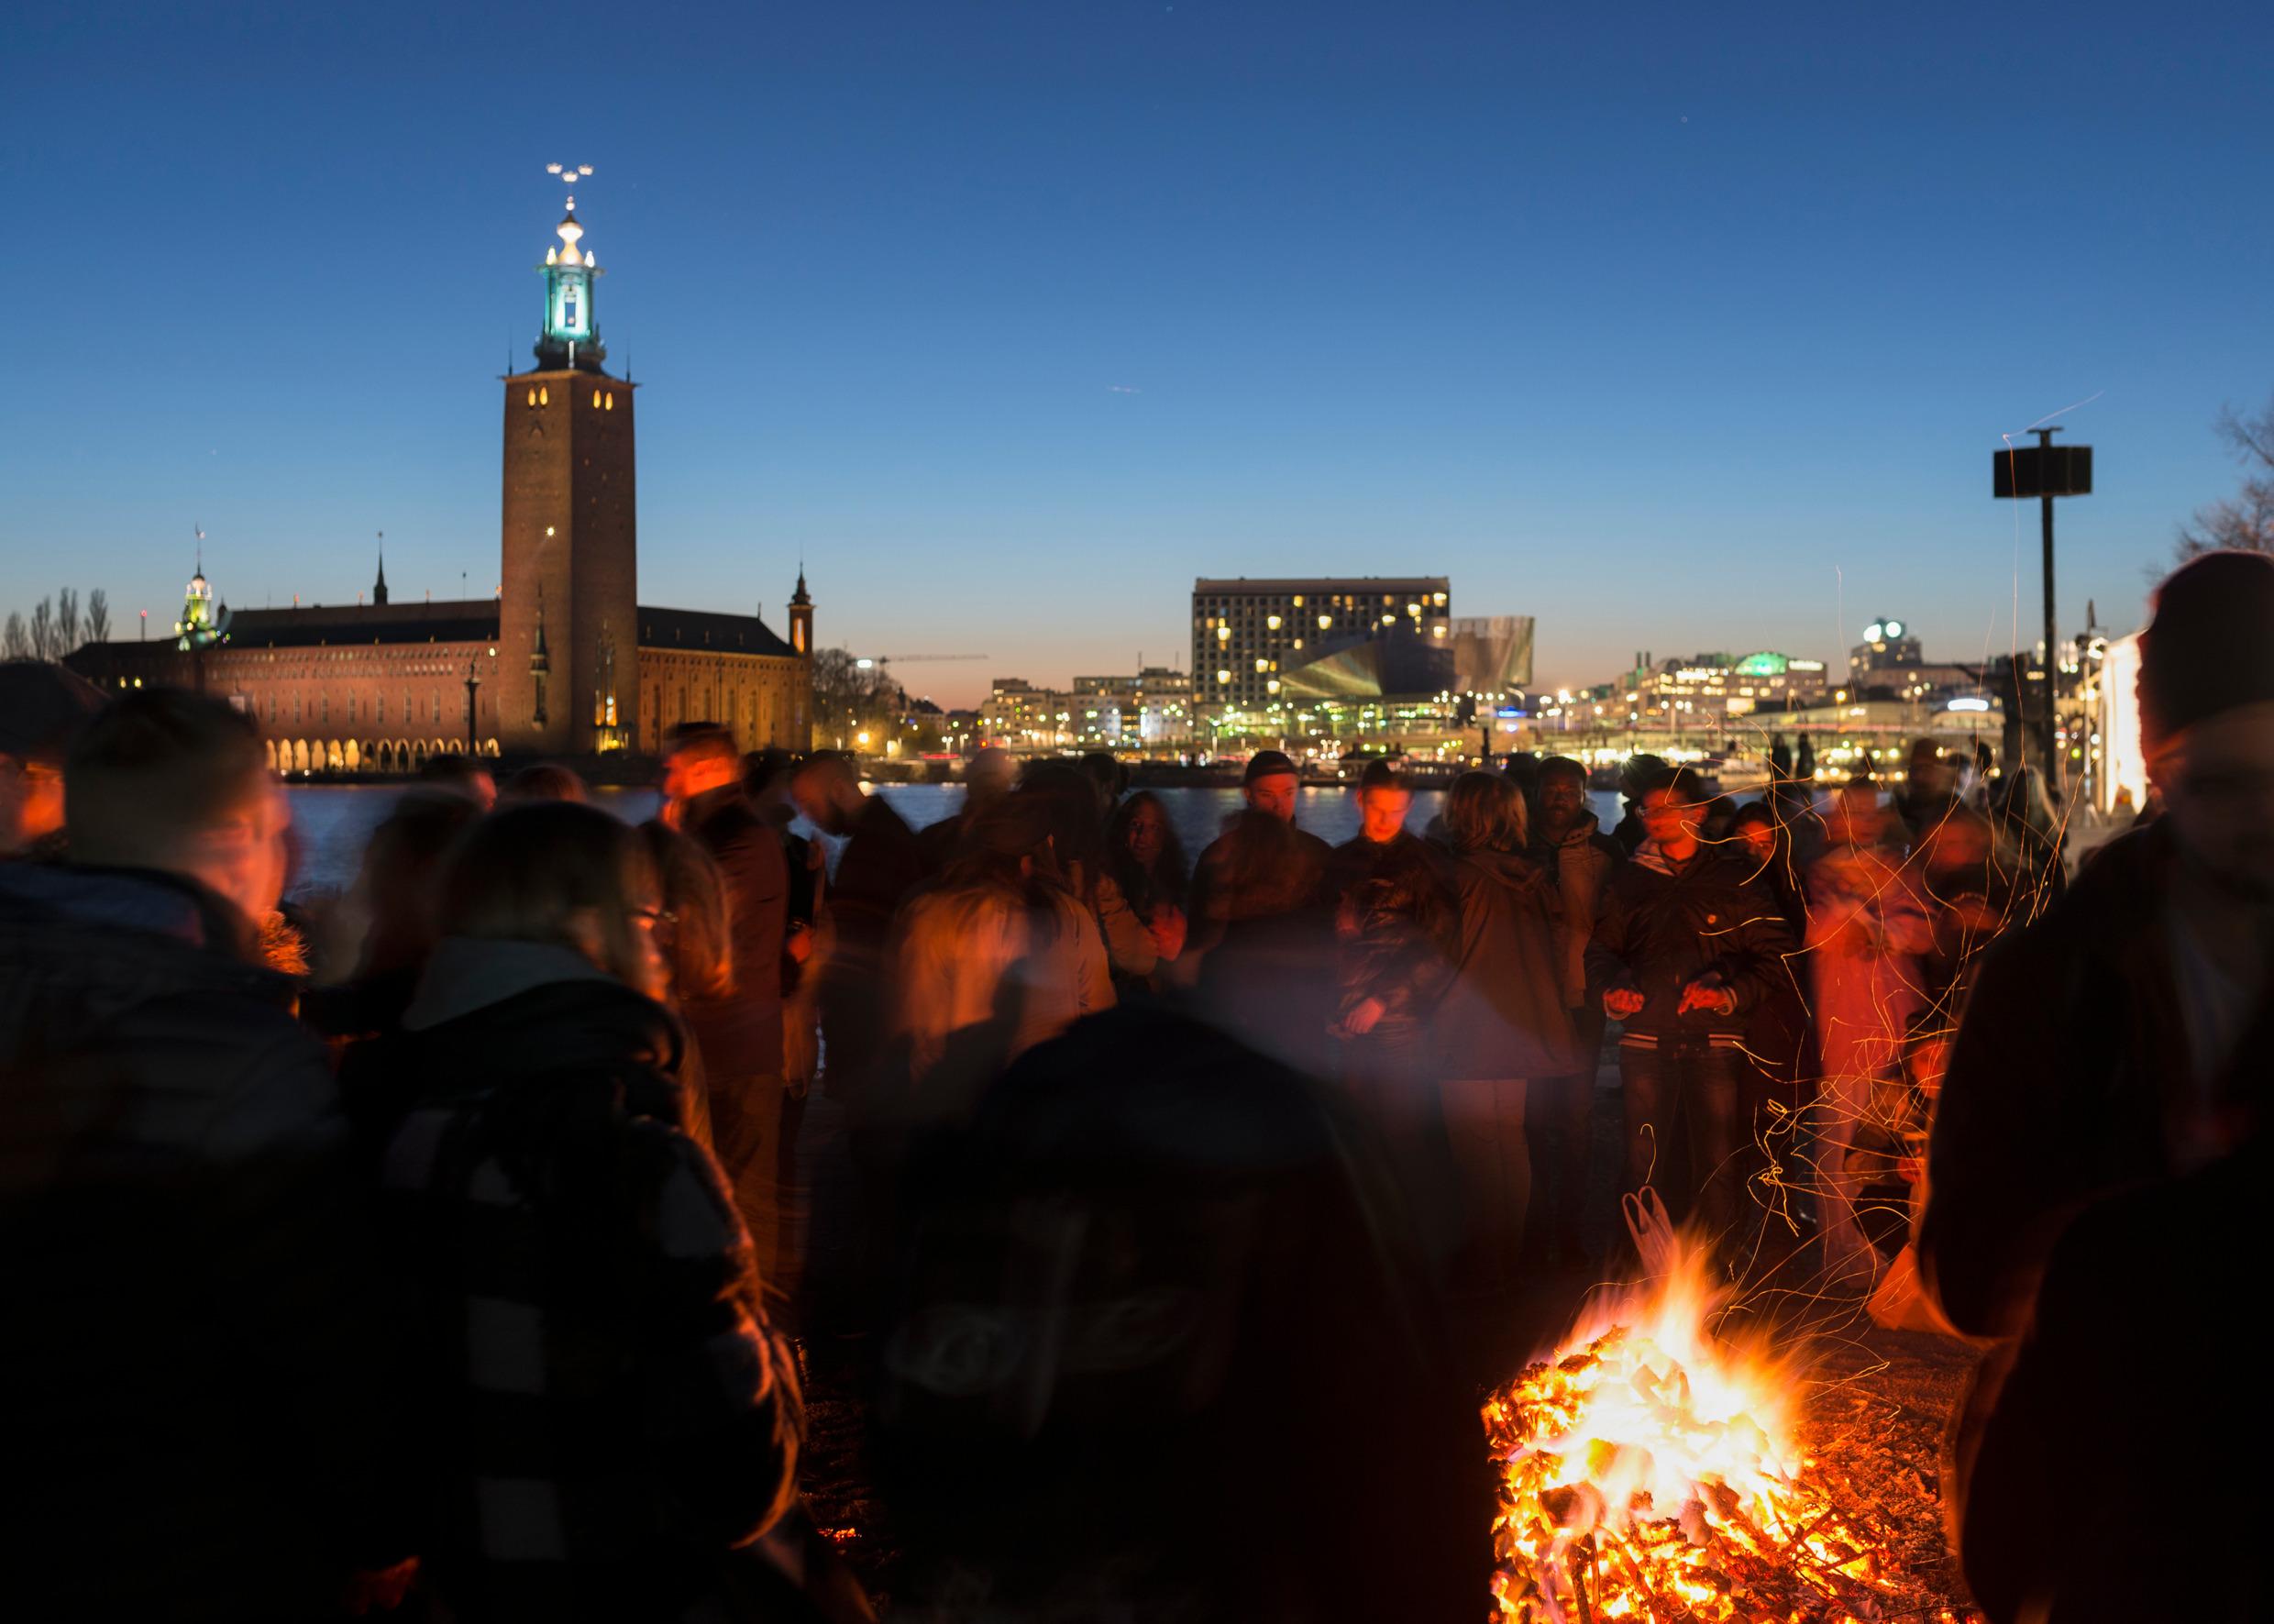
[814, 794]
[1957, 843]
[686, 775]
[1670, 820]
[1274, 793]
[1757, 841]
[1382, 813]
[1562, 801]
[1930, 1060]
[244, 858]
[1148, 832]
[2218, 788]
[651, 972]
[1855, 818]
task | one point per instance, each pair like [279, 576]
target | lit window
[1325, 621]
[1223, 634]
[1437, 631]
[596, 400]
[612, 399]
[545, 397]
[1263, 665]
[533, 397]
[1223, 676]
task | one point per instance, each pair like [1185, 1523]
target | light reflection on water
[332, 822]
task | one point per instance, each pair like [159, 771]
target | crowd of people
[457, 1247]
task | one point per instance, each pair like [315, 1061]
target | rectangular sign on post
[2043, 470]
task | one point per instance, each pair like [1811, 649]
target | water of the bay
[333, 824]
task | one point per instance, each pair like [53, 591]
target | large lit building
[1248, 635]
[1707, 690]
[1150, 709]
[563, 661]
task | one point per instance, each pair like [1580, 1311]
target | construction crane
[866, 663]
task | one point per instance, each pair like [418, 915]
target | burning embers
[1646, 1473]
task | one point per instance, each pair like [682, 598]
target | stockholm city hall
[563, 662]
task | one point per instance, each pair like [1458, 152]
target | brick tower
[568, 633]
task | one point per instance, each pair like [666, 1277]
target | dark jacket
[1157, 1248]
[880, 865]
[604, 1412]
[1503, 1015]
[741, 1034]
[1662, 927]
[192, 1353]
[2031, 1545]
[1401, 953]
[2072, 1052]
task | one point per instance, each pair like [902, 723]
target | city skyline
[948, 307]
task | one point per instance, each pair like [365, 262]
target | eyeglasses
[649, 918]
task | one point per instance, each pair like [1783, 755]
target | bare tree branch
[98, 616]
[2248, 521]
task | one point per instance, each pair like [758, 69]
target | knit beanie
[1266, 763]
[2211, 646]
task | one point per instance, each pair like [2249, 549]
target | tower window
[596, 400]
[568, 311]
[533, 397]
[612, 399]
[545, 397]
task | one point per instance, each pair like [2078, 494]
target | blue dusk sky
[1680, 327]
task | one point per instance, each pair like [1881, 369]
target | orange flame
[1648, 1472]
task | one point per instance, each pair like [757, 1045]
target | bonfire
[1647, 1472]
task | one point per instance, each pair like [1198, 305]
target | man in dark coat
[740, 1034]
[1683, 948]
[2095, 1052]
[1155, 1248]
[880, 864]
[191, 1366]
[2109, 1048]
[1570, 847]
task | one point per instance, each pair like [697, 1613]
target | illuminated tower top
[570, 336]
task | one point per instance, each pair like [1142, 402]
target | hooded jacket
[1503, 1015]
[191, 1353]
[1663, 925]
[603, 1411]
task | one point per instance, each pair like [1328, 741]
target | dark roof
[1277, 586]
[458, 621]
[700, 628]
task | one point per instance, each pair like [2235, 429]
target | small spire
[379, 587]
[800, 597]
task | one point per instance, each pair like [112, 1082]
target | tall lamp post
[473, 686]
[2045, 471]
